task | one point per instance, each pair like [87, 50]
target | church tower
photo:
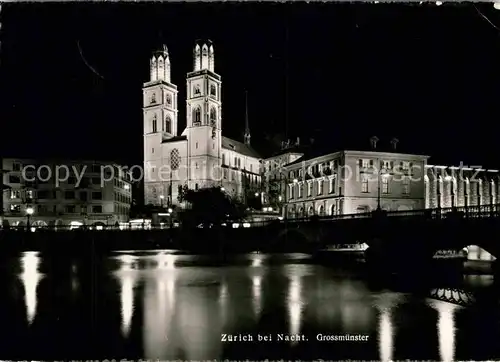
[160, 116]
[203, 114]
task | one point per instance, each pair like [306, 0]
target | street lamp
[29, 212]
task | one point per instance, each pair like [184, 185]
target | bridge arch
[292, 238]
[476, 252]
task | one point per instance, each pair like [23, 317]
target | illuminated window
[320, 187]
[406, 186]
[309, 188]
[385, 185]
[364, 183]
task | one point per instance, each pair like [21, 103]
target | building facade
[69, 193]
[348, 182]
[200, 156]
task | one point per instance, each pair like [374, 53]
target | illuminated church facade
[199, 156]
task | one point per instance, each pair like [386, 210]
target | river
[154, 305]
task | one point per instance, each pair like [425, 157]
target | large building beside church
[199, 156]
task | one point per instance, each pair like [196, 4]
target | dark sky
[428, 75]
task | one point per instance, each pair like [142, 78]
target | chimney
[394, 143]
[373, 142]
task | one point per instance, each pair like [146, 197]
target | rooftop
[239, 147]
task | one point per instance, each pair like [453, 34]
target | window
[385, 185]
[153, 98]
[223, 159]
[213, 117]
[406, 186]
[15, 208]
[175, 159]
[169, 99]
[213, 90]
[320, 187]
[225, 173]
[15, 194]
[96, 209]
[197, 90]
[96, 181]
[309, 188]
[83, 195]
[196, 145]
[69, 195]
[154, 124]
[291, 191]
[83, 209]
[70, 209]
[96, 195]
[197, 116]
[331, 185]
[16, 167]
[168, 124]
[364, 183]
[196, 186]
[235, 162]
[14, 179]
[30, 194]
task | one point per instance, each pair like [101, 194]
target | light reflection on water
[169, 308]
[30, 278]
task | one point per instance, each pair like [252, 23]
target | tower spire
[247, 126]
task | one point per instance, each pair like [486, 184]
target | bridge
[388, 234]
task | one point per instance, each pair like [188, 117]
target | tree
[275, 197]
[182, 191]
[211, 206]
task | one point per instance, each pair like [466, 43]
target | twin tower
[203, 96]
[203, 59]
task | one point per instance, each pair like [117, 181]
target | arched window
[154, 124]
[197, 90]
[213, 117]
[311, 211]
[321, 211]
[223, 158]
[153, 98]
[332, 210]
[197, 116]
[169, 99]
[213, 90]
[168, 124]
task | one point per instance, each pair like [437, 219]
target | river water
[156, 305]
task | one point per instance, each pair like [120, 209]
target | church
[199, 156]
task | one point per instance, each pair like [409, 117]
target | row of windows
[319, 169]
[84, 181]
[232, 175]
[388, 165]
[320, 188]
[168, 99]
[197, 116]
[237, 162]
[48, 194]
[69, 209]
[197, 90]
[166, 126]
[384, 185]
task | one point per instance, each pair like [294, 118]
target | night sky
[340, 73]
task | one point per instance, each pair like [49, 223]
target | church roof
[239, 147]
[175, 139]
